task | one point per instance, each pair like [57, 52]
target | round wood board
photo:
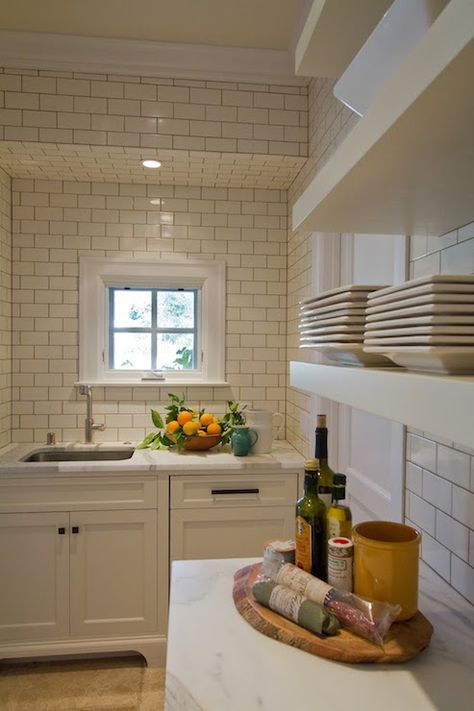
[403, 641]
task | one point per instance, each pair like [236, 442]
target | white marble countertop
[217, 662]
[282, 457]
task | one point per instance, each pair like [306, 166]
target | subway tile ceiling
[52, 161]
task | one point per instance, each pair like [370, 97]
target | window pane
[176, 309]
[132, 308]
[175, 351]
[132, 351]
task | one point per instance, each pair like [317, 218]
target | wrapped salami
[368, 619]
[295, 607]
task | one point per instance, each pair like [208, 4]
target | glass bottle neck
[321, 446]
[311, 482]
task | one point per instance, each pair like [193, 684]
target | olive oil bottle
[339, 516]
[321, 453]
[310, 530]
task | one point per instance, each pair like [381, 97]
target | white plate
[350, 354]
[334, 337]
[430, 358]
[365, 288]
[421, 330]
[429, 279]
[331, 329]
[335, 317]
[440, 299]
[424, 310]
[421, 340]
[436, 321]
[356, 297]
[356, 308]
[422, 290]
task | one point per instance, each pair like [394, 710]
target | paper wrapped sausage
[295, 607]
[368, 619]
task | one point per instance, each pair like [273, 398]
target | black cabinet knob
[61, 531]
[75, 529]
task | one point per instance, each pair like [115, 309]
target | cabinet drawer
[81, 493]
[232, 533]
[221, 491]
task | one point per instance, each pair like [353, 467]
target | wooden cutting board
[403, 641]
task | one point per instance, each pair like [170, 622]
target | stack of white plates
[333, 323]
[424, 324]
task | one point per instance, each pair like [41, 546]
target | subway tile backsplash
[55, 222]
[440, 474]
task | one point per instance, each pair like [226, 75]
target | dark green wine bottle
[326, 476]
[310, 533]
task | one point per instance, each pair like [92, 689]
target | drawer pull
[215, 492]
[75, 529]
[61, 531]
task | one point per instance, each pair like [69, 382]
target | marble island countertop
[217, 661]
[282, 457]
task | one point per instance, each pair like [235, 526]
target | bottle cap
[321, 421]
[312, 464]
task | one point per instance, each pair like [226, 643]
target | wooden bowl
[195, 443]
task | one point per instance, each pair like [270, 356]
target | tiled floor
[115, 684]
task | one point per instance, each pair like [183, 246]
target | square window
[137, 317]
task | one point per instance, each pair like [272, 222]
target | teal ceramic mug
[242, 439]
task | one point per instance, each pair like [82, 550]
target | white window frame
[96, 274]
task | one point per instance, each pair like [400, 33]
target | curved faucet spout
[89, 424]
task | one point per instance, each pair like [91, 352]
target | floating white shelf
[440, 405]
[333, 33]
[407, 167]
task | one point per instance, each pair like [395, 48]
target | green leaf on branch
[157, 420]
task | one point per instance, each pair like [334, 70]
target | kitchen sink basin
[77, 455]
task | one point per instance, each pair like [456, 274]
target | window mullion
[154, 318]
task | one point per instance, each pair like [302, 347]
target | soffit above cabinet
[407, 166]
[333, 33]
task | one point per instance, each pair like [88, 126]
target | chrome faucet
[89, 424]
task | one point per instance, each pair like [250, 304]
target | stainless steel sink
[77, 455]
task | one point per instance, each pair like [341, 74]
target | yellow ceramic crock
[386, 563]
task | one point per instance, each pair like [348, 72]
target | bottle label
[302, 583]
[286, 602]
[340, 562]
[326, 498]
[303, 537]
[338, 528]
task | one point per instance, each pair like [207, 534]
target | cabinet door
[113, 572]
[34, 572]
[228, 532]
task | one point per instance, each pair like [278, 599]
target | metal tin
[340, 563]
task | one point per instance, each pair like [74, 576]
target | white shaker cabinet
[34, 565]
[77, 580]
[230, 516]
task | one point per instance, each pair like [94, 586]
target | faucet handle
[51, 438]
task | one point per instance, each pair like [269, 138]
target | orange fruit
[172, 426]
[214, 428]
[206, 419]
[190, 428]
[202, 433]
[184, 417]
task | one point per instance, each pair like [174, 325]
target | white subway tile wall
[329, 123]
[154, 113]
[440, 474]
[5, 308]
[56, 222]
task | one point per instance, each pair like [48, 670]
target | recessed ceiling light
[151, 163]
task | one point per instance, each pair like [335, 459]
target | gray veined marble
[218, 662]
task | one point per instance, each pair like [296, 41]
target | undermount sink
[77, 455]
